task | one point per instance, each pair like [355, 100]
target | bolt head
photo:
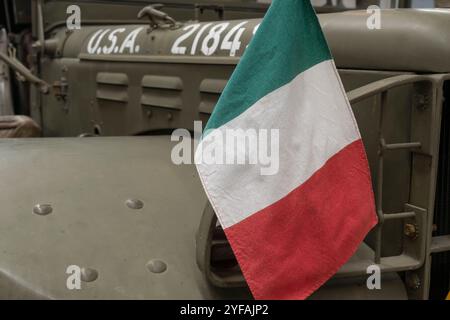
[157, 266]
[134, 204]
[88, 274]
[42, 209]
[410, 230]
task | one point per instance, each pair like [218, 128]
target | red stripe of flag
[292, 247]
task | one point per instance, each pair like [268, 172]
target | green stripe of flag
[288, 42]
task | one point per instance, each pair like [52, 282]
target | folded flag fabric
[290, 230]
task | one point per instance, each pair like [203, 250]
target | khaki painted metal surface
[352, 43]
[90, 100]
[97, 89]
[409, 40]
[87, 182]
[117, 12]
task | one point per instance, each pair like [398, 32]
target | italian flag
[293, 230]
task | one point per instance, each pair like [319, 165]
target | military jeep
[90, 183]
